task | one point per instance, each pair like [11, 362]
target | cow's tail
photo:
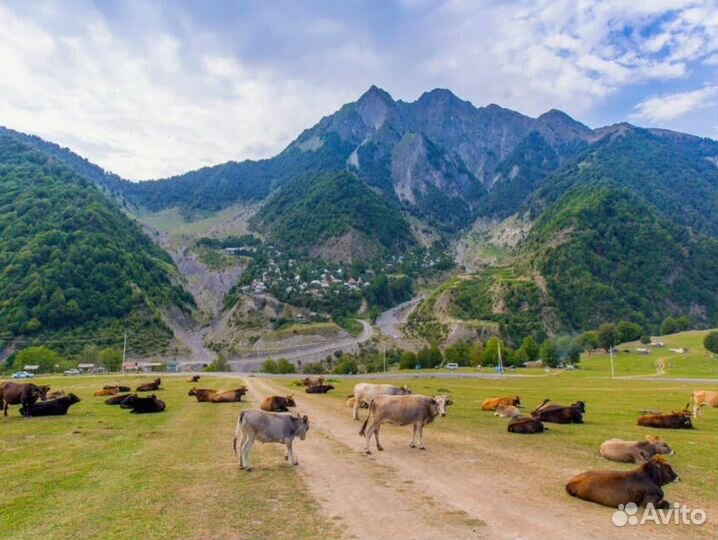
[362, 431]
[545, 401]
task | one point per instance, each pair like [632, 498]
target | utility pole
[610, 353]
[501, 362]
[384, 357]
[124, 353]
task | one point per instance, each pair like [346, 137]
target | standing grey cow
[402, 411]
[365, 392]
[267, 427]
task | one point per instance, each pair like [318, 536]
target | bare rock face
[347, 248]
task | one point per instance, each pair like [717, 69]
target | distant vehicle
[452, 365]
[22, 375]
[71, 372]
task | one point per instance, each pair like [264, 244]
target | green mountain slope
[313, 212]
[680, 179]
[71, 264]
[607, 254]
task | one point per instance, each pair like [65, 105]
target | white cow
[365, 392]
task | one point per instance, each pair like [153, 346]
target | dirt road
[457, 488]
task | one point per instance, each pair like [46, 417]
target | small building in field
[31, 368]
[85, 367]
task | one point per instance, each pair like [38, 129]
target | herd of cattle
[389, 404]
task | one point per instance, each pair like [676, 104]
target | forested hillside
[606, 254]
[317, 209]
[72, 266]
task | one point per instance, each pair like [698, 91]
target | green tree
[476, 353]
[407, 360]
[40, 356]
[669, 326]
[549, 353]
[588, 341]
[110, 359]
[458, 353]
[491, 352]
[710, 342]
[430, 357]
[628, 331]
[269, 366]
[346, 366]
[683, 323]
[607, 336]
[285, 366]
[314, 368]
[529, 349]
[220, 364]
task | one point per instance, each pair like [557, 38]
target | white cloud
[669, 107]
[150, 93]
[147, 113]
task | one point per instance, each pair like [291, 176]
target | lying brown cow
[491, 404]
[701, 398]
[525, 425]
[675, 420]
[151, 386]
[312, 381]
[634, 451]
[193, 378]
[277, 403]
[416, 410]
[25, 394]
[218, 396]
[106, 392]
[641, 485]
[319, 389]
[559, 414]
[117, 387]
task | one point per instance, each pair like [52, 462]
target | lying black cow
[117, 400]
[559, 414]
[525, 424]
[143, 405]
[51, 407]
[319, 389]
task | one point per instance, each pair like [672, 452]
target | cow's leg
[376, 439]
[4, 406]
[412, 444]
[246, 447]
[290, 453]
[355, 411]
[367, 437]
[420, 431]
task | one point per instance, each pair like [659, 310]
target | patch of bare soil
[371, 499]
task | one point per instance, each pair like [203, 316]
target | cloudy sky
[151, 89]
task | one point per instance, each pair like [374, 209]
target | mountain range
[618, 222]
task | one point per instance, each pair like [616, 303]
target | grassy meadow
[101, 472]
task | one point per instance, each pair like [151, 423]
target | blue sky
[151, 89]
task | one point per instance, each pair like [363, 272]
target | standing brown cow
[25, 394]
[701, 398]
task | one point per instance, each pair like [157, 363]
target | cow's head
[580, 405]
[405, 390]
[290, 401]
[661, 471]
[158, 381]
[516, 401]
[73, 398]
[660, 446]
[301, 426]
[42, 392]
[441, 403]
[192, 392]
